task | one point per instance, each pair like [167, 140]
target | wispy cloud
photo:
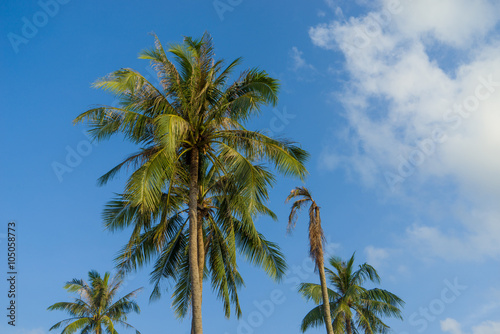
[298, 61]
[452, 326]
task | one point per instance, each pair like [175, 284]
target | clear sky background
[397, 102]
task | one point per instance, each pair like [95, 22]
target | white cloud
[452, 326]
[323, 35]
[488, 327]
[454, 22]
[424, 108]
[298, 61]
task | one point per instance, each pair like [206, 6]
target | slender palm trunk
[348, 326]
[201, 260]
[326, 299]
[201, 252]
[317, 233]
[193, 243]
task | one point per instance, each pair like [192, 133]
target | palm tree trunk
[201, 260]
[201, 252]
[326, 299]
[348, 326]
[193, 243]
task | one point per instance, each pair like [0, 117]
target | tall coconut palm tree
[354, 308]
[94, 308]
[316, 238]
[194, 114]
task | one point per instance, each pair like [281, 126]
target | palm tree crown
[354, 309]
[193, 110]
[316, 235]
[94, 308]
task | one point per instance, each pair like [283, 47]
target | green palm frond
[312, 291]
[182, 291]
[76, 325]
[76, 309]
[62, 323]
[168, 262]
[313, 319]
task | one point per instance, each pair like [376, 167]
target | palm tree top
[354, 308]
[303, 197]
[94, 307]
[195, 107]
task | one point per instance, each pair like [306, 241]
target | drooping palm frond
[313, 318]
[316, 235]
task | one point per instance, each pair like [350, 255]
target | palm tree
[193, 115]
[354, 309]
[316, 239]
[226, 226]
[94, 306]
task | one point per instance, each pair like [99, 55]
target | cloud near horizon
[452, 326]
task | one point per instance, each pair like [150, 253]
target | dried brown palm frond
[316, 235]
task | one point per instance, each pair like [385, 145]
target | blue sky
[397, 102]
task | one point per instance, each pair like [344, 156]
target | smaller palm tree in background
[94, 309]
[303, 197]
[354, 309]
